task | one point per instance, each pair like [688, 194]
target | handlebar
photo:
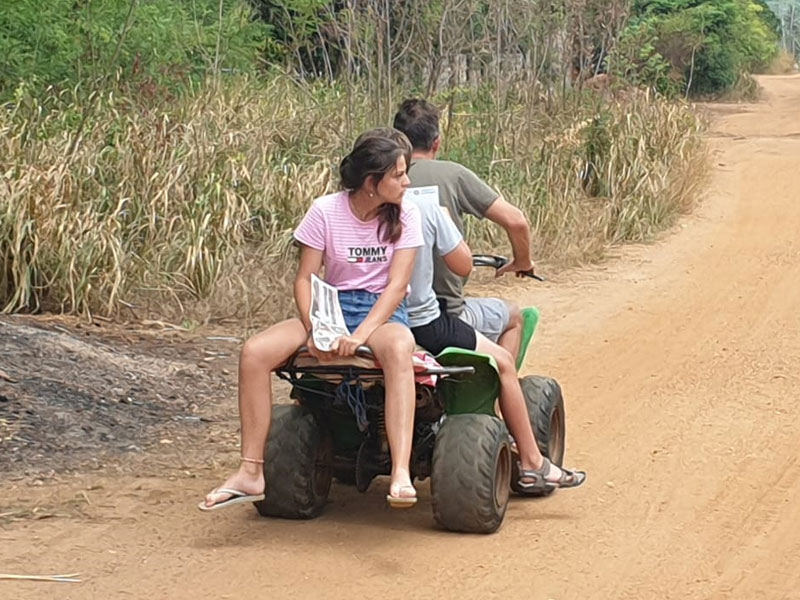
[362, 351]
[366, 352]
[496, 262]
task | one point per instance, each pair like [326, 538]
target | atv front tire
[297, 465]
[545, 406]
[470, 473]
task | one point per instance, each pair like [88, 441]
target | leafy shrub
[707, 43]
[60, 42]
[637, 60]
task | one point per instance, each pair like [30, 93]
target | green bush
[61, 42]
[707, 44]
[637, 60]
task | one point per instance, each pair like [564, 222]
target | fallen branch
[12, 513]
[68, 578]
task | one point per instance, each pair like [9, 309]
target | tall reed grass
[600, 171]
[183, 207]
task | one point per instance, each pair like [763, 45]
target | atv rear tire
[470, 473]
[297, 465]
[545, 406]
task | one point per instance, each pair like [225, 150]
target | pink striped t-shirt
[355, 258]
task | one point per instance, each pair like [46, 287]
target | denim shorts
[356, 305]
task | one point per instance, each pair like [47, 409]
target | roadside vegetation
[155, 156]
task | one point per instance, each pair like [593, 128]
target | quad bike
[337, 429]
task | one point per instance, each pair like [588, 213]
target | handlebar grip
[533, 275]
[491, 260]
[365, 351]
[488, 260]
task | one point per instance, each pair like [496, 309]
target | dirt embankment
[679, 365]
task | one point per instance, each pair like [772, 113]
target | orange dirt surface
[679, 364]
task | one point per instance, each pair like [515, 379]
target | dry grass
[783, 64]
[184, 207]
[605, 172]
[746, 89]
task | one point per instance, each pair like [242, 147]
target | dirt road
[679, 362]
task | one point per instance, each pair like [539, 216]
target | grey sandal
[538, 483]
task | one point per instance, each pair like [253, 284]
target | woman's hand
[320, 355]
[347, 345]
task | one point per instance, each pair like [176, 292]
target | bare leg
[511, 338]
[515, 413]
[393, 345]
[261, 354]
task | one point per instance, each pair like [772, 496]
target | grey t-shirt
[441, 237]
[461, 192]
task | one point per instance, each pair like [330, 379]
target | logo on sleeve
[367, 254]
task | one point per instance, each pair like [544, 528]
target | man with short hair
[436, 329]
[462, 192]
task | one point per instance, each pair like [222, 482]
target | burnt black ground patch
[68, 400]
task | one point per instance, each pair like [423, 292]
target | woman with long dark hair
[366, 238]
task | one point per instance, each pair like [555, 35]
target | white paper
[428, 191]
[327, 321]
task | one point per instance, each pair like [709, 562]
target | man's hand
[347, 345]
[521, 268]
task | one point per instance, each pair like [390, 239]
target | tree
[60, 42]
[787, 13]
[706, 43]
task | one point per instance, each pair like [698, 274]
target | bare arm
[459, 260]
[392, 296]
[513, 220]
[310, 262]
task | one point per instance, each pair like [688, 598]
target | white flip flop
[237, 497]
[402, 501]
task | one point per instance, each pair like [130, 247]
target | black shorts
[444, 331]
